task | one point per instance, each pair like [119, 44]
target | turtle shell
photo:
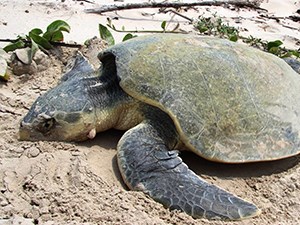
[230, 102]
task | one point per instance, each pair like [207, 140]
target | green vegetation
[212, 26]
[34, 40]
[273, 47]
[37, 39]
[215, 26]
[106, 35]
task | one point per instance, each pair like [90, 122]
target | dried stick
[91, 2]
[178, 14]
[148, 31]
[54, 43]
[110, 8]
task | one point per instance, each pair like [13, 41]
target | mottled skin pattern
[222, 100]
[147, 164]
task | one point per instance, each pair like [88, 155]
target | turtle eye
[47, 125]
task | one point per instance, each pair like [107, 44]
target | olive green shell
[230, 102]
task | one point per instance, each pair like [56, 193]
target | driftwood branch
[178, 14]
[148, 31]
[54, 43]
[114, 7]
[91, 2]
[293, 18]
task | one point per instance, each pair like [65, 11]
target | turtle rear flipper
[147, 164]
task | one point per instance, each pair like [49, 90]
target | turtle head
[64, 113]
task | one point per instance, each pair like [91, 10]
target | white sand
[19, 17]
[63, 183]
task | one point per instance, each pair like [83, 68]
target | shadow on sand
[200, 166]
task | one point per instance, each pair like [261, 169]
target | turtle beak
[23, 132]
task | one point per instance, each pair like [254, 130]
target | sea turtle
[224, 101]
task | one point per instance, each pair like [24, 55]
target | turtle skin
[224, 101]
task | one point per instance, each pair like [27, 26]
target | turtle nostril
[21, 124]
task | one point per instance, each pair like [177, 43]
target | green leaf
[13, 46]
[273, 50]
[34, 46]
[163, 25]
[273, 44]
[202, 29]
[57, 36]
[40, 40]
[295, 53]
[58, 25]
[233, 38]
[33, 50]
[54, 30]
[36, 31]
[106, 35]
[128, 36]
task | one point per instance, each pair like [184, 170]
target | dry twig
[110, 8]
[54, 43]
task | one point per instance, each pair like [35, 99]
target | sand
[79, 183]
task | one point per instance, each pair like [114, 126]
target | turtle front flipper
[147, 164]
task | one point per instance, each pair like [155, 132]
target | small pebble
[33, 152]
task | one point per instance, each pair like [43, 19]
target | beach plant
[274, 47]
[33, 41]
[37, 39]
[107, 36]
[215, 26]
